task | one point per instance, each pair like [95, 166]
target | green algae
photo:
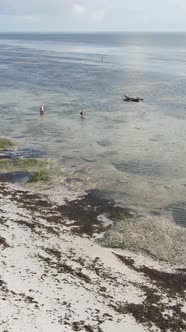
[39, 168]
[23, 164]
[6, 144]
[40, 176]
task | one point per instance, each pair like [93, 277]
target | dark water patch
[100, 197]
[30, 153]
[178, 211]
[155, 213]
[9, 155]
[104, 143]
[21, 177]
[18, 136]
[153, 139]
[118, 120]
[10, 118]
[110, 127]
[7, 107]
[89, 160]
[23, 153]
[107, 153]
[139, 167]
[4, 156]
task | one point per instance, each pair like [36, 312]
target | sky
[92, 15]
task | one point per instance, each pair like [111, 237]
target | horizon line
[88, 32]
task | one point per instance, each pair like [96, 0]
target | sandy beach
[54, 276]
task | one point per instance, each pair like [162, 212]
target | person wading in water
[42, 110]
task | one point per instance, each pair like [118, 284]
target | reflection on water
[135, 151]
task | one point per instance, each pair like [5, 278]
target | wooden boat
[134, 99]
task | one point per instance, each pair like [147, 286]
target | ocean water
[135, 152]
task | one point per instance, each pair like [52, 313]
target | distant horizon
[92, 32]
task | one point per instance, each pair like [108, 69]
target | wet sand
[55, 276]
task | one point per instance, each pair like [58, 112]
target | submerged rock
[20, 177]
[23, 170]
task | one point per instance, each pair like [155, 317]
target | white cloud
[34, 7]
[181, 5]
[78, 9]
[27, 17]
[98, 15]
[93, 15]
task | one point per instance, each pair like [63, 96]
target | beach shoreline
[74, 258]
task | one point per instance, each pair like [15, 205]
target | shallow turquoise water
[136, 152]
